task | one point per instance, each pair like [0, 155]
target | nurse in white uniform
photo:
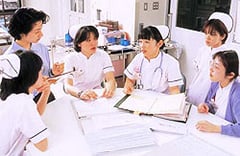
[92, 67]
[153, 69]
[216, 33]
[19, 119]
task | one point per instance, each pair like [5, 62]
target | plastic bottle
[68, 40]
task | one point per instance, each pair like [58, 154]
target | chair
[182, 88]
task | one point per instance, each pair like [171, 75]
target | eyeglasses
[214, 64]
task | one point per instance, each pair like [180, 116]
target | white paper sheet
[120, 138]
[188, 145]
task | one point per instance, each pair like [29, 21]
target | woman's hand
[203, 108]
[45, 86]
[206, 126]
[88, 95]
[58, 68]
[109, 89]
[128, 86]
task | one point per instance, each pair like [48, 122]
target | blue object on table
[68, 39]
[124, 42]
[111, 40]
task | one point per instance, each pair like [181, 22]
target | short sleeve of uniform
[69, 61]
[135, 63]
[32, 124]
[42, 51]
[107, 66]
[174, 73]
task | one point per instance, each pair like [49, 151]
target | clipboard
[121, 100]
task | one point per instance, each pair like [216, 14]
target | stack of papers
[120, 138]
[96, 107]
[181, 117]
[108, 129]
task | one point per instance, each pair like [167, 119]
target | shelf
[7, 9]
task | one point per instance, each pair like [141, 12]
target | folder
[171, 107]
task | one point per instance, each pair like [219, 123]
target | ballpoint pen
[54, 76]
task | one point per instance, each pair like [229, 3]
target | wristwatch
[79, 94]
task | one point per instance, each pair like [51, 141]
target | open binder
[171, 107]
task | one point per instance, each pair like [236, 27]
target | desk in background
[121, 56]
[174, 49]
[67, 138]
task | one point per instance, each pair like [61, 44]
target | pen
[63, 73]
[167, 131]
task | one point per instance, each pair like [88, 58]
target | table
[66, 136]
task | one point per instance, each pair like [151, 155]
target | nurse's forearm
[174, 90]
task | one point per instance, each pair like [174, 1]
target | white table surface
[66, 136]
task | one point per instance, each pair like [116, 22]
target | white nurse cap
[9, 66]
[225, 18]
[164, 30]
[74, 29]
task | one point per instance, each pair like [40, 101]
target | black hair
[229, 59]
[216, 25]
[30, 65]
[23, 20]
[151, 32]
[83, 34]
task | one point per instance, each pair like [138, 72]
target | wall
[59, 15]
[118, 10]
[61, 18]
[148, 16]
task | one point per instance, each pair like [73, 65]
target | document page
[108, 120]
[188, 145]
[177, 117]
[95, 107]
[170, 104]
[166, 126]
[152, 103]
[138, 103]
[120, 138]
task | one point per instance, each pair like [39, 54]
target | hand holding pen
[53, 79]
[58, 68]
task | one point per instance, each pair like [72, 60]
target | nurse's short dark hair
[30, 65]
[230, 61]
[83, 34]
[151, 32]
[216, 25]
[23, 20]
